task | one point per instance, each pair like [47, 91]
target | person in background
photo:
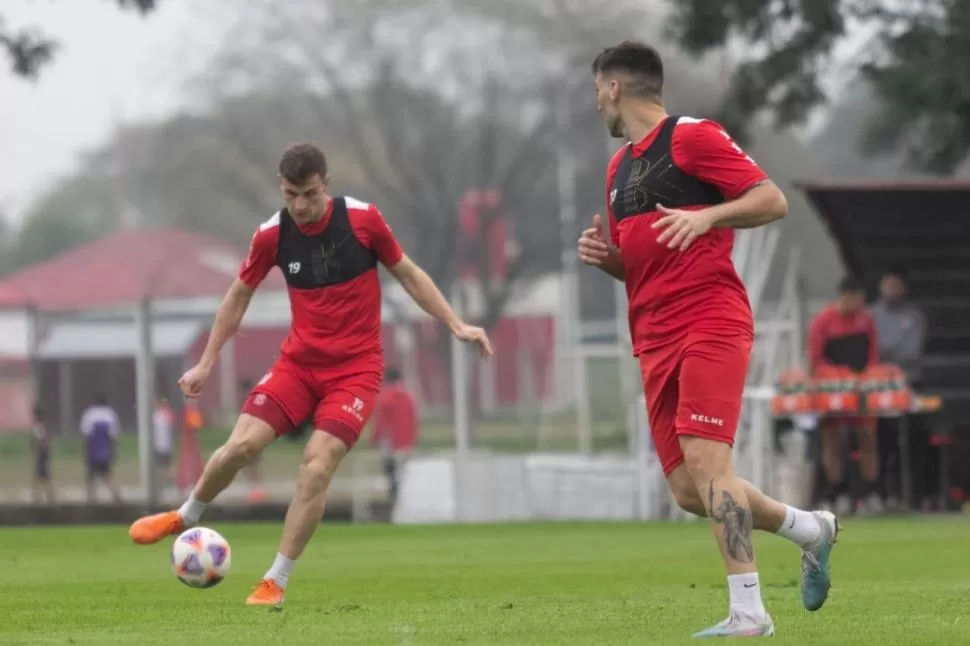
[100, 428]
[163, 439]
[844, 335]
[40, 444]
[902, 331]
[395, 426]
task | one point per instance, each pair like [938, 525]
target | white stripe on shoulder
[690, 120]
[274, 221]
[354, 203]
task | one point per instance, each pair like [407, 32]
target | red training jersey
[338, 323]
[845, 340]
[672, 292]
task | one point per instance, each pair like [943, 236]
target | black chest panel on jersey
[643, 181]
[331, 257]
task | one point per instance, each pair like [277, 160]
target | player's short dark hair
[300, 162]
[38, 412]
[392, 375]
[641, 62]
[100, 399]
[851, 285]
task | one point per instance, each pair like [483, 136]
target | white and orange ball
[201, 557]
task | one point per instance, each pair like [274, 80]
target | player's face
[607, 101]
[305, 202]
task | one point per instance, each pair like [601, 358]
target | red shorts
[694, 387]
[340, 400]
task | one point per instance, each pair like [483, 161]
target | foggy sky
[113, 65]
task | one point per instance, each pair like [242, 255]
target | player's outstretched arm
[228, 318]
[418, 284]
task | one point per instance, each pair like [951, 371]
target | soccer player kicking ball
[330, 365]
[674, 196]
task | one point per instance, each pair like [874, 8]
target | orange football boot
[151, 529]
[267, 593]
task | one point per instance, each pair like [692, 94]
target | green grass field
[896, 582]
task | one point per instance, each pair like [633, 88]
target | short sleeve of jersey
[261, 257]
[376, 235]
[705, 150]
[610, 173]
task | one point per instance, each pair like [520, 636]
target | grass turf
[896, 582]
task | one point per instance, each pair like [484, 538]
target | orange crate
[886, 391]
[793, 394]
[836, 391]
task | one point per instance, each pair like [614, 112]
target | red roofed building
[127, 266]
[11, 297]
[55, 315]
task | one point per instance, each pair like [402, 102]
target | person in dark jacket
[901, 326]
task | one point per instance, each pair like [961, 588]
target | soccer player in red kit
[330, 365]
[675, 194]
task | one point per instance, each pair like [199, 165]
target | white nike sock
[746, 595]
[280, 572]
[192, 510]
[800, 527]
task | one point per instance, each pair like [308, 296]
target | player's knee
[239, 452]
[320, 460]
[242, 448]
[315, 474]
[688, 499]
[247, 441]
[684, 491]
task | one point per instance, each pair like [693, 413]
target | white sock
[746, 595]
[280, 572]
[192, 510]
[800, 527]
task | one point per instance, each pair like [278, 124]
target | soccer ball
[200, 557]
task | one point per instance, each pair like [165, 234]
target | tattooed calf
[738, 524]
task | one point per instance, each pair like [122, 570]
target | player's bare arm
[228, 317]
[596, 250]
[419, 286]
[762, 204]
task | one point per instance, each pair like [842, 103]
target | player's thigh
[283, 398]
[658, 371]
[346, 405]
[712, 375]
